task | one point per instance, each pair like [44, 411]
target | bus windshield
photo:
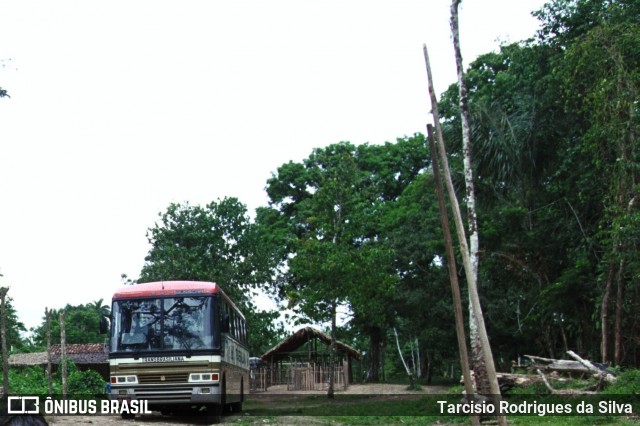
[163, 324]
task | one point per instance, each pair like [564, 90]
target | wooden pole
[474, 298]
[5, 352]
[47, 315]
[63, 355]
[453, 273]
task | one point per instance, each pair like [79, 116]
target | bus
[179, 345]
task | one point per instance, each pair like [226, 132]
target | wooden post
[474, 298]
[453, 270]
[63, 355]
[47, 315]
[5, 352]
[453, 273]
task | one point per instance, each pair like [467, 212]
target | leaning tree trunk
[453, 273]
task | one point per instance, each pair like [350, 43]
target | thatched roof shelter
[284, 349]
[79, 353]
[85, 355]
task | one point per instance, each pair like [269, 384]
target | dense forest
[356, 229]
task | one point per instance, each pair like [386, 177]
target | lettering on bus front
[162, 358]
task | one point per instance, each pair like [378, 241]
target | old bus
[180, 345]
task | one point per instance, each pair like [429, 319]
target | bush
[627, 383]
[86, 383]
[28, 381]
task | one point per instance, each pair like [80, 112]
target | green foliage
[211, 243]
[28, 381]
[33, 381]
[82, 324]
[627, 383]
[265, 331]
[329, 214]
[217, 242]
[15, 328]
[87, 382]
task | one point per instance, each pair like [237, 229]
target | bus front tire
[214, 413]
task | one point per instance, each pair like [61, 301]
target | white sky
[119, 108]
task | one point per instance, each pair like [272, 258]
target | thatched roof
[20, 360]
[79, 353]
[299, 338]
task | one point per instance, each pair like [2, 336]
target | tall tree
[209, 243]
[481, 349]
[217, 242]
[83, 325]
[328, 213]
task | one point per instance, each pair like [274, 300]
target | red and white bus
[180, 345]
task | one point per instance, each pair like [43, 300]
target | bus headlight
[124, 380]
[203, 377]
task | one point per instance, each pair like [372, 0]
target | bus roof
[167, 288]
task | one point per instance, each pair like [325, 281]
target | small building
[86, 356]
[302, 364]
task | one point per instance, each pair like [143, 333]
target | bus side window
[225, 320]
[233, 330]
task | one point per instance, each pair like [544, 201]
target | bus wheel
[236, 407]
[214, 413]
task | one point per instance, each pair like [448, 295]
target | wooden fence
[298, 377]
[314, 377]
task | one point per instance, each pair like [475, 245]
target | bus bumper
[186, 394]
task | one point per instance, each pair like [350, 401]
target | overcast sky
[119, 108]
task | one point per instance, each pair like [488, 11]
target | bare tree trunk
[404, 363]
[5, 352]
[617, 344]
[470, 259]
[419, 361]
[47, 315]
[475, 307]
[63, 355]
[375, 345]
[604, 314]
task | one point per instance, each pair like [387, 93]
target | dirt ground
[157, 419]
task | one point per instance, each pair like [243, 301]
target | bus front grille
[174, 393]
[166, 377]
